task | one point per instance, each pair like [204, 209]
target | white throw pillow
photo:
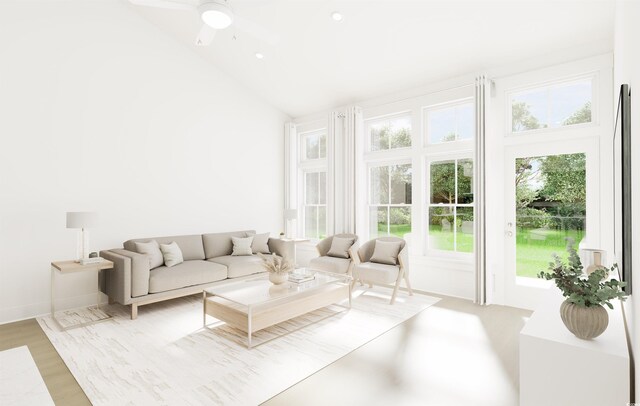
[242, 246]
[386, 252]
[152, 249]
[340, 247]
[260, 244]
[172, 254]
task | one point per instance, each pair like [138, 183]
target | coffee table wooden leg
[204, 308]
[249, 328]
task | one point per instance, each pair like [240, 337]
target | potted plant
[278, 267]
[582, 311]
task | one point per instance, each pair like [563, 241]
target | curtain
[481, 86]
[290, 171]
[353, 130]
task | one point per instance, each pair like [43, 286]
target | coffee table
[255, 303]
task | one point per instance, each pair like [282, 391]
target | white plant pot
[278, 278]
[584, 322]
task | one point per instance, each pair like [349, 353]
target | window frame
[549, 84]
[428, 161]
[309, 165]
[440, 106]
[373, 120]
[304, 203]
[302, 154]
[378, 164]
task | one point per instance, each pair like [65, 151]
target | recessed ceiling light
[336, 16]
[216, 15]
[259, 55]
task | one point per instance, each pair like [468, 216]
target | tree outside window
[451, 205]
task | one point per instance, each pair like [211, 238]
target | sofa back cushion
[190, 245]
[219, 244]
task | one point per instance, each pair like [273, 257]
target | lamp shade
[290, 214]
[82, 219]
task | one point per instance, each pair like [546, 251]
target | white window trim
[370, 204]
[304, 203]
[567, 80]
[428, 160]
[306, 166]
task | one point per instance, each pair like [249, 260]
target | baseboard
[43, 308]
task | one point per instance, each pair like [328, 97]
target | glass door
[548, 205]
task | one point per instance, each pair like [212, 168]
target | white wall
[627, 70]
[101, 111]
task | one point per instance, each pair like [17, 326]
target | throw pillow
[172, 254]
[260, 244]
[340, 247]
[242, 246]
[152, 249]
[386, 252]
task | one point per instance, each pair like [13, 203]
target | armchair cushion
[386, 252]
[330, 264]
[340, 247]
[374, 272]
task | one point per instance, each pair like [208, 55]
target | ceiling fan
[216, 15]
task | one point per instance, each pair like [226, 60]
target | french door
[551, 199]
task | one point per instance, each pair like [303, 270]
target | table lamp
[82, 220]
[290, 215]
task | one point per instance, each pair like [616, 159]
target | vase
[278, 278]
[597, 264]
[584, 322]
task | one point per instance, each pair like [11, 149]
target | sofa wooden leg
[111, 301]
[134, 311]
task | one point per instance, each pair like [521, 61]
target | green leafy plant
[580, 289]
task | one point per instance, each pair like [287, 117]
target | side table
[67, 267]
[295, 242]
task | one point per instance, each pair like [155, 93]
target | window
[314, 145]
[389, 133]
[389, 200]
[451, 123]
[553, 106]
[451, 205]
[315, 204]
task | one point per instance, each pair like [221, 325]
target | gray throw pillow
[386, 252]
[242, 246]
[260, 244]
[172, 254]
[152, 249]
[340, 247]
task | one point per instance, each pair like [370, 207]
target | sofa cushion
[240, 265]
[330, 264]
[190, 245]
[260, 243]
[219, 244]
[172, 254]
[152, 250]
[242, 246]
[188, 273]
[374, 272]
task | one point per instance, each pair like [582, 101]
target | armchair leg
[406, 280]
[395, 291]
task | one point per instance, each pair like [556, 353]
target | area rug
[167, 357]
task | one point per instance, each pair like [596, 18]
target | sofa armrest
[283, 248]
[117, 281]
[140, 271]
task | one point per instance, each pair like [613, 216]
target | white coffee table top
[259, 290]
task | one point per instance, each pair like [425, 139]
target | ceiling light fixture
[259, 55]
[216, 14]
[336, 16]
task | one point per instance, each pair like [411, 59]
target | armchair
[382, 273]
[334, 263]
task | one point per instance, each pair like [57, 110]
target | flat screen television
[622, 143]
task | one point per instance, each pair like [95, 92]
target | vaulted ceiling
[383, 46]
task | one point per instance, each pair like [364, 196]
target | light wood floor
[453, 353]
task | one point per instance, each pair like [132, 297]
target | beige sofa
[207, 262]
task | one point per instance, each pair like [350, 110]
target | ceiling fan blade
[206, 35]
[168, 4]
[256, 30]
